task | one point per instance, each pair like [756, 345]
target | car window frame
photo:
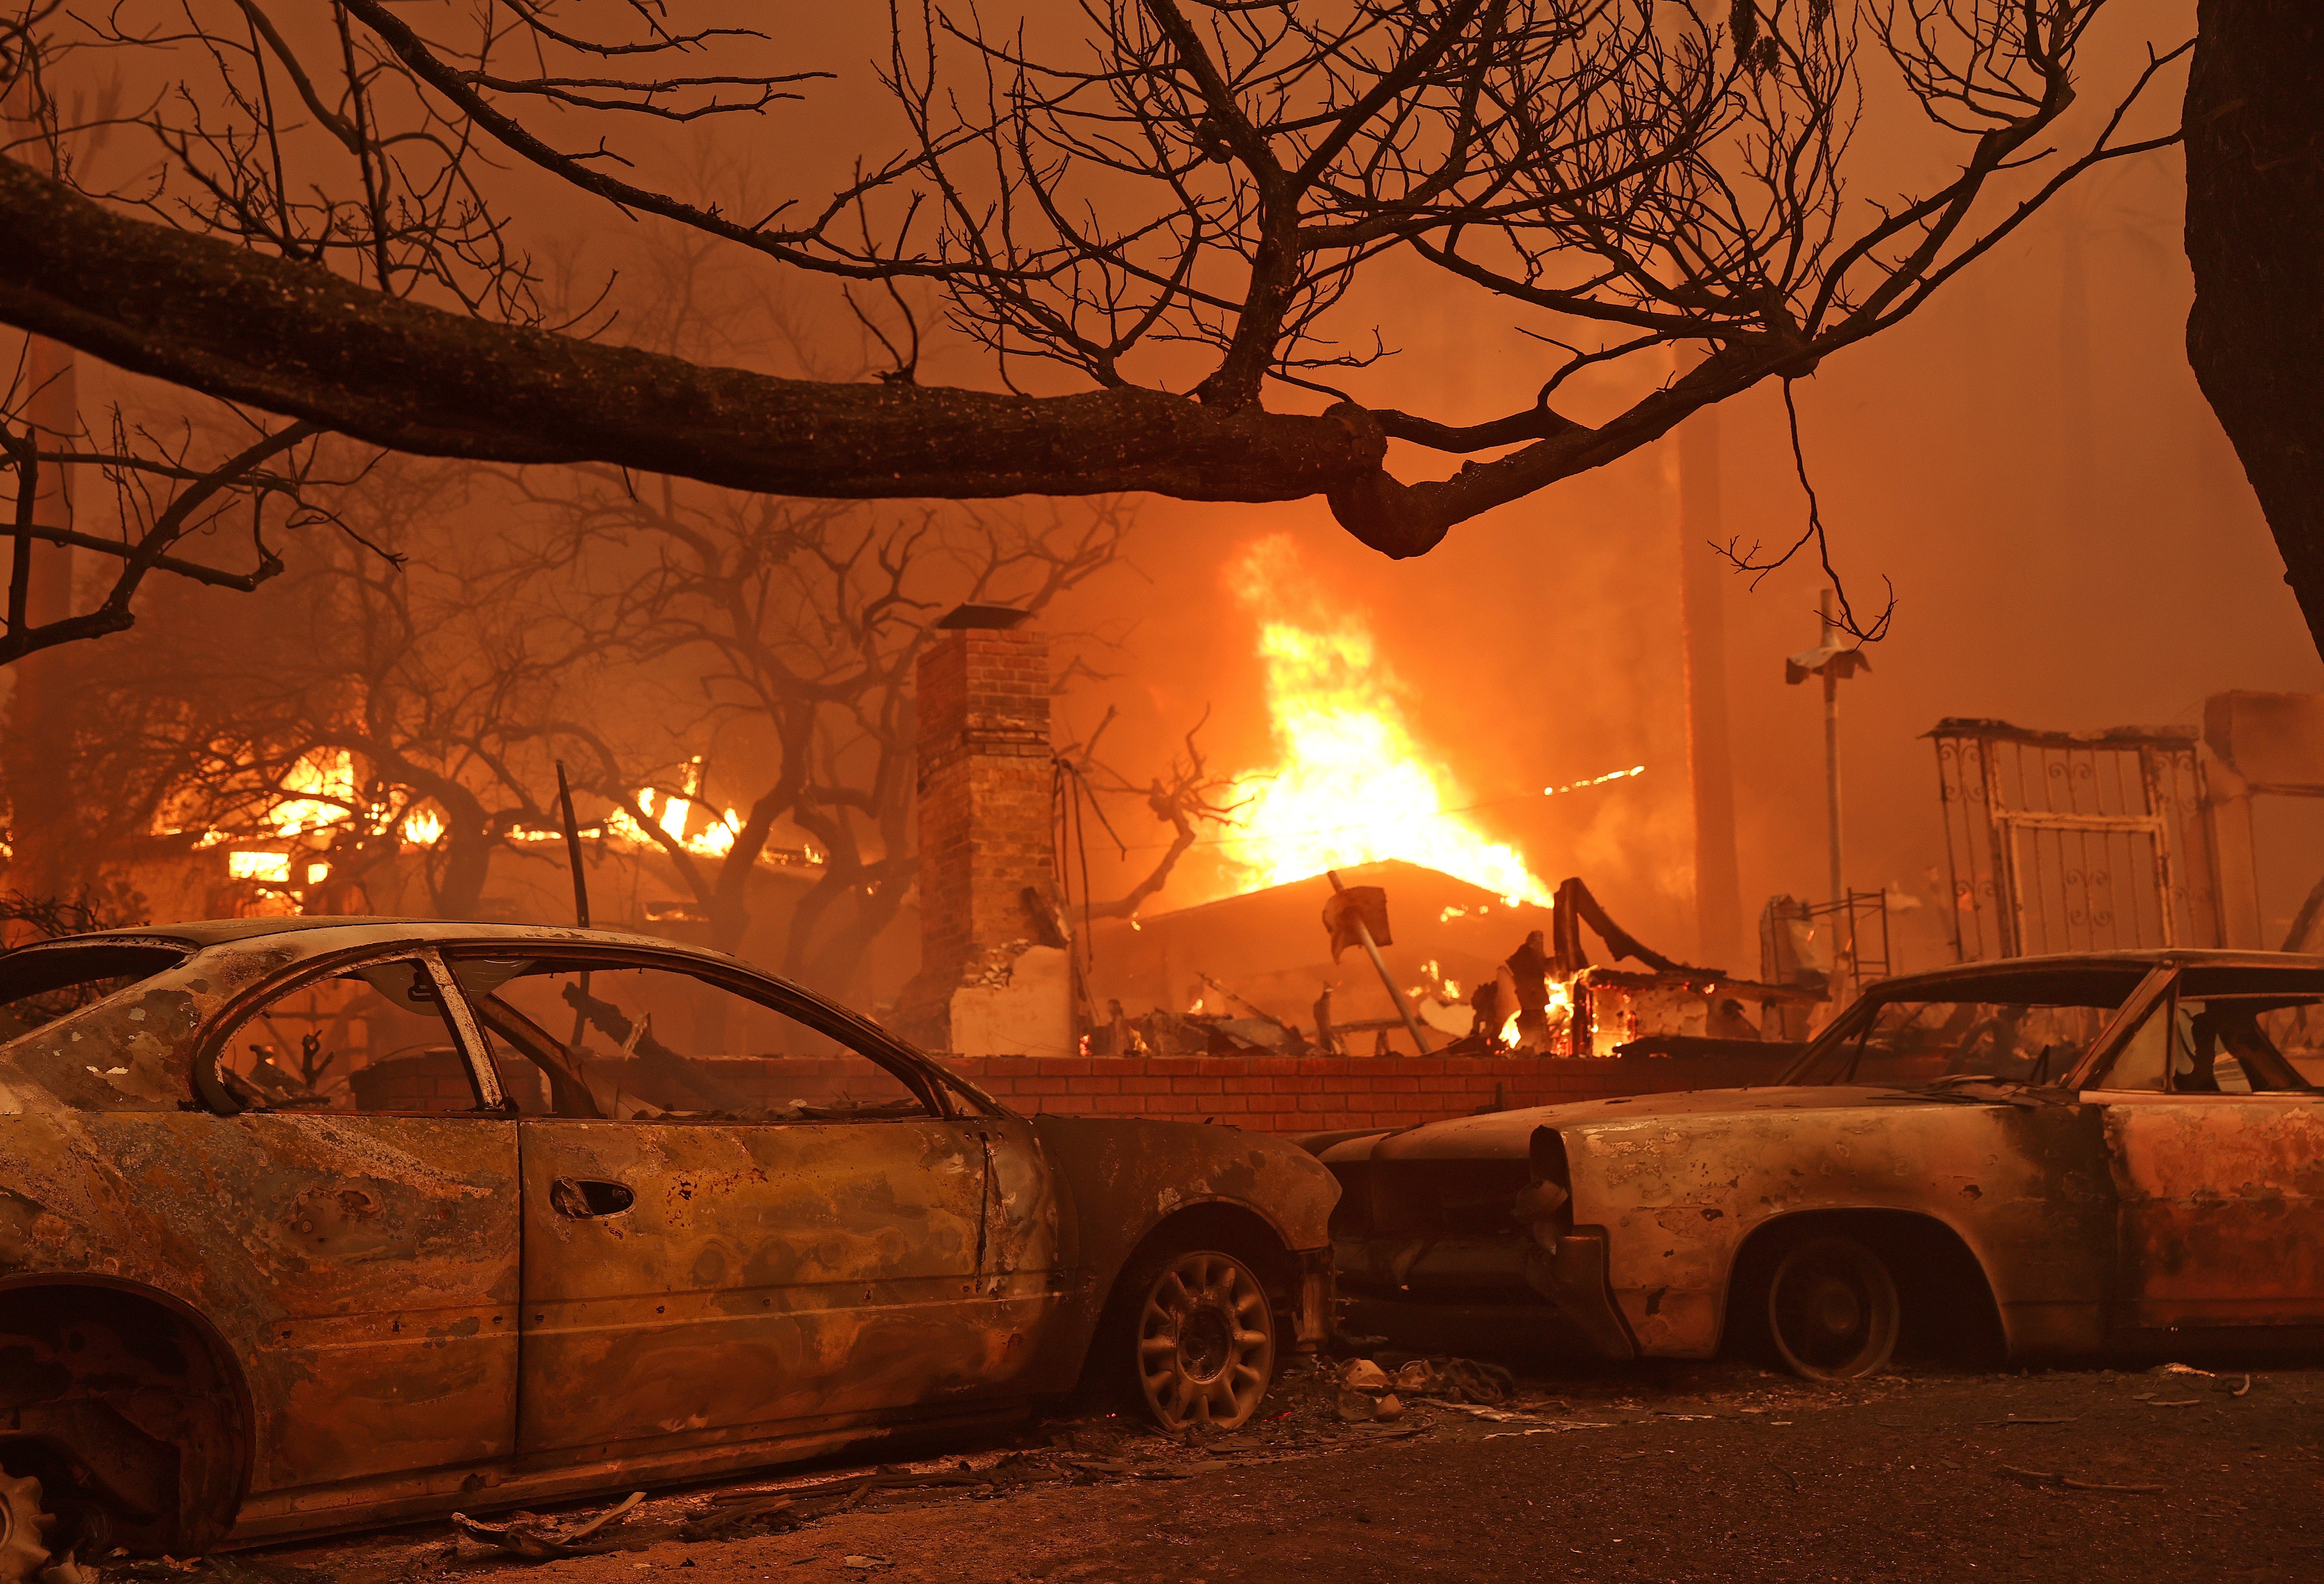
[939, 1090]
[484, 1079]
[2158, 986]
[1853, 1020]
[2166, 1007]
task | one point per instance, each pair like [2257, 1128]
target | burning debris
[1547, 997]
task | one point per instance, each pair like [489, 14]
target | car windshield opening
[2026, 1030]
[613, 1040]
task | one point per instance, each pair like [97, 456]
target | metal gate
[2072, 842]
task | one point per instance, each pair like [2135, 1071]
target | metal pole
[1832, 779]
[573, 848]
[1403, 1007]
[1831, 752]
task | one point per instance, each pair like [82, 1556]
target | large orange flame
[1351, 785]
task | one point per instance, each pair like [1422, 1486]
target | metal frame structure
[2075, 841]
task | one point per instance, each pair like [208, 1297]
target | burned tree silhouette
[1173, 212]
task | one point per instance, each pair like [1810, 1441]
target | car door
[2217, 1148]
[370, 1173]
[735, 1226]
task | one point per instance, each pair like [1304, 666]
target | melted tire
[1833, 1311]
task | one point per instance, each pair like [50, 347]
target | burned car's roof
[355, 929]
[178, 978]
[2017, 970]
[2064, 975]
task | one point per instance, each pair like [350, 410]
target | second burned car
[313, 1223]
[2065, 1155]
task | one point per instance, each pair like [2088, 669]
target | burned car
[2062, 1155]
[307, 1224]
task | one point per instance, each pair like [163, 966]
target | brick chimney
[987, 985]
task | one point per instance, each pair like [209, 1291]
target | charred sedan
[2047, 1157]
[312, 1224]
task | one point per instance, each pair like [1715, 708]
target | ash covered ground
[1720, 1471]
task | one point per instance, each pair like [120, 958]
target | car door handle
[583, 1198]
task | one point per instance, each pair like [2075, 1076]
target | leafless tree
[1185, 796]
[163, 494]
[1177, 207]
[384, 692]
[800, 624]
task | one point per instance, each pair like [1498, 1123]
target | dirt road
[1718, 1473]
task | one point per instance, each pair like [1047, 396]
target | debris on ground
[540, 1540]
[2040, 1480]
[733, 1515]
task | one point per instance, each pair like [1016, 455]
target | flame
[1351, 786]
[423, 827]
[715, 838]
[271, 869]
[1559, 1014]
[330, 783]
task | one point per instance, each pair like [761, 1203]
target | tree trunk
[2255, 238]
[469, 844]
[48, 856]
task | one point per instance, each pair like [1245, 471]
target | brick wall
[1305, 1094]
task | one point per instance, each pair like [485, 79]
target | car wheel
[1204, 1341]
[1832, 1309]
[24, 1527]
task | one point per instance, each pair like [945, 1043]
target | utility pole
[1832, 753]
[1834, 661]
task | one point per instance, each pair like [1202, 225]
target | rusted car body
[246, 1293]
[2050, 1157]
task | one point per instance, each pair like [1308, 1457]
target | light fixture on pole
[1833, 660]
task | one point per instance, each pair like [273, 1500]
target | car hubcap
[1832, 1308]
[22, 1556]
[1205, 1342]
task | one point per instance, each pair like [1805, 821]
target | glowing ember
[1594, 780]
[1351, 786]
